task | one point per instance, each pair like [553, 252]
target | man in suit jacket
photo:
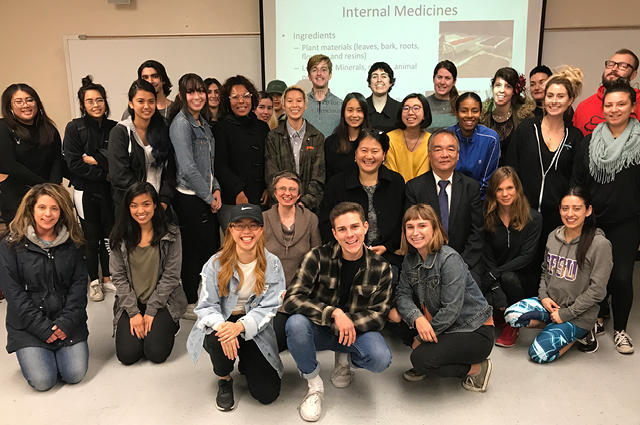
[464, 223]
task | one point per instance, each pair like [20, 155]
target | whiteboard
[114, 62]
[587, 50]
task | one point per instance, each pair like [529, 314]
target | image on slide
[477, 48]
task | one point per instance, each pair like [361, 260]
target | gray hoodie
[577, 290]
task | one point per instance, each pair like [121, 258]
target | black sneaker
[588, 343]
[599, 328]
[224, 400]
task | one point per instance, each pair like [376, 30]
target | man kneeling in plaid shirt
[339, 300]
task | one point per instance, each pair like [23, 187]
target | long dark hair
[127, 229]
[189, 83]
[588, 228]
[512, 78]
[46, 127]
[158, 131]
[88, 84]
[342, 130]
[520, 214]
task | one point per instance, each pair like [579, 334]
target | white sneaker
[189, 314]
[311, 406]
[95, 291]
[108, 287]
[341, 376]
[623, 342]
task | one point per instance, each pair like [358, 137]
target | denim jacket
[443, 285]
[212, 309]
[195, 150]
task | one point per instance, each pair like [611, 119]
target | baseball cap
[246, 211]
[276, 86]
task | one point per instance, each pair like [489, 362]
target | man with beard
[623, 65]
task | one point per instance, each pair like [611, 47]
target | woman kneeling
[145, 261]
[437, 296]
[577, 265]
[43, 274]
[241, 288]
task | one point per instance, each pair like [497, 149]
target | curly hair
[225, 93]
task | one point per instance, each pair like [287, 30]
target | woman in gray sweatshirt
[574, 279]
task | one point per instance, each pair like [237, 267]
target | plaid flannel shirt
[315, 290]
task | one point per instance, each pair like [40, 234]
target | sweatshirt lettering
[562, 267]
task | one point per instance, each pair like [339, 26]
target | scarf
[609, 155]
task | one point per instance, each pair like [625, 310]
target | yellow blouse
[408, 164]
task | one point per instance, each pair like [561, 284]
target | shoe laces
[470, 381]
[622, 338]
[226, 387]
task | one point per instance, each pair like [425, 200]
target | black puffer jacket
[44, 288]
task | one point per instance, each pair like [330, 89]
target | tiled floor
[599, 388]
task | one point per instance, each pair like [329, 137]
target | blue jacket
[213, 310]
[195, 150]
[443, 285]
[479, 154]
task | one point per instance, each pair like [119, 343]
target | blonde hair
[570, 78]
[294, 88]
[24, 216]
[423, 212]
[519, 215]
[228, 257]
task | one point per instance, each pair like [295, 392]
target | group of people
[441, 218]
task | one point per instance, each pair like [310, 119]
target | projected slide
[412, 36]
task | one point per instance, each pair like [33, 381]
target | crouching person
[339, 300]
[241, 288]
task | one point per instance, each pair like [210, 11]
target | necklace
[552, 132]
[287, 243]
[501, 118]
[415, 143]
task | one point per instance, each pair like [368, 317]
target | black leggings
[453, 354]
[624, 238]
[156, 346]
[263, 380]
[518, 286]
[279, 322]
[200, 240]
[96, 230]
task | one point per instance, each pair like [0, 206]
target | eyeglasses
[239, 97]
[241, 226]
[91, 102]
[414, 108]
[622, 66]
[24, 102]
[284, 189]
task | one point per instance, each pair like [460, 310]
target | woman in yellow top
[408, 144]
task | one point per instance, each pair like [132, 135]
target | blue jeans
[304, 338]
[553, 338]
[41, 366]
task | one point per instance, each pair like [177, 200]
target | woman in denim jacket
[451, 322]
[241, 290]
[198, 191]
